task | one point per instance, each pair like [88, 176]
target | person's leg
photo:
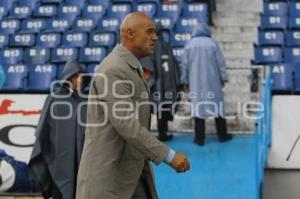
[222, 130]
[162, 126]
[199, 131]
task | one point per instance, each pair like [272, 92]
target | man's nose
[155, 37]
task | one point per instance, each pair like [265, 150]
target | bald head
[133, 21]
[137, 33]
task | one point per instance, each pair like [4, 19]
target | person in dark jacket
[163, 82]
[59, 141]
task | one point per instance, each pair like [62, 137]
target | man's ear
[131, 34]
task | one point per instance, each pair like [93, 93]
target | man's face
[77, 81]
[145, 38]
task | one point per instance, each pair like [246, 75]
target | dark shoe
[165, 137]
[225, 138]
[199, 142]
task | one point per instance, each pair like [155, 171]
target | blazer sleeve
[126, 123]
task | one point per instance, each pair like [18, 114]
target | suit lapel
[132, 61]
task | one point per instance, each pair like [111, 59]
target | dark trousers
[221, 127]
[162, 123]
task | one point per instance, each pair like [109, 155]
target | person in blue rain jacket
[204, 75]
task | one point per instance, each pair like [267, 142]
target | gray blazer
[117, 153]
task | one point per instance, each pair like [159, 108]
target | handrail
[263, 134]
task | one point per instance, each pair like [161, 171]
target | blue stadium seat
[166, 36]
[267, 55]
[124, 1]
[102, 39]
[169, 10]
[157, 2]
[109, 25]
[30, 3]
[198, 10]
[180, 38]
[297, 78]
[79, 3]
[294, 8]
[294, 22]
[15, 77]
[11, 56]
[293, 38]
[58, 25]
[186, 24]
[274, 22]
[92, 54]
[22, 40]
[74, 39]
[48, 40]
[3, 12]
[52, 1]
[33, 25]
[40, 77]
[178, 53]
[275, 9]
[292, 55]
[36, 55]
[149, 9]
[119, 10]
[60, 70]
[7, 4]
[4, 39]
[63, 54]
[9, 26]
[271, 38]
[84, 24]
[20, 12]
[45, 10]
[69, 12]
[91, 68]
[166, 22]
[281, 77]
[95, 12]
[105, 3]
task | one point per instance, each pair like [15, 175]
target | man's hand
[180, 163]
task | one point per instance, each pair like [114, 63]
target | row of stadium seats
[37, 37]
[21, 77]
[59, 55]
[266, 55]
[13, 26]
[285, 78]
[95, 11]
[279, 22]
[278, 38]
[279, 44]
[77, 39]
[281, 8]
[38, 77]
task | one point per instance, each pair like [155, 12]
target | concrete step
[235, 21]
[238, 62]
[231, 45]
[233, 29]
[240, 5]
[239, 54]
[236, 37]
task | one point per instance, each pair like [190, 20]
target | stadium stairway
[235, 28]
[231, 170]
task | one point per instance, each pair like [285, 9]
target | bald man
[118, 146]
